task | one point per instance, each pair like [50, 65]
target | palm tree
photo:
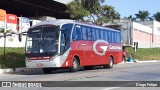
[157, 16]
[142, 15]
[131, 18]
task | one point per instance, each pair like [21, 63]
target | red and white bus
[71, 44]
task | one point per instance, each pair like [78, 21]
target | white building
[142, 34]
[146, 33]
[155, 25]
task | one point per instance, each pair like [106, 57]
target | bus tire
[47, 70]
[110, 65]
[75, 66]
[88, 67]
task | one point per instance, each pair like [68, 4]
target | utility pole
[4, 38]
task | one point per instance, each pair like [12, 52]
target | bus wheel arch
[76, 56]
[75, 64]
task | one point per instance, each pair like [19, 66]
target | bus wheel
[88, 67]
[75, 66]
[47, 70]
[110, 65]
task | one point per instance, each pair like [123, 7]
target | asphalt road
[121, 72]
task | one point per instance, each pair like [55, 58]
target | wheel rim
[75, 64]
[111, 62]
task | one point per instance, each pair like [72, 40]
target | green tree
[92, 10]
[105, 14]
[157, 16]
[142, 15]
[77, 12]
[90, 4]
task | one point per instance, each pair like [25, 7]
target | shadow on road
[58, 71]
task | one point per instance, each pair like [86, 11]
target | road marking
[123, 85]
[110, 88]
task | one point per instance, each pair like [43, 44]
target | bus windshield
[42, 41]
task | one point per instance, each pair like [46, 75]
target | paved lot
[120, 72]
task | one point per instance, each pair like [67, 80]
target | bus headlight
[52, 58]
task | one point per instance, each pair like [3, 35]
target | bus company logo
[100, 44]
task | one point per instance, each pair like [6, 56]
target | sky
[131, 7]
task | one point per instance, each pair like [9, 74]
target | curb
[146, 61]
[10, 70]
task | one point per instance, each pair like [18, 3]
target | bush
[14, 58]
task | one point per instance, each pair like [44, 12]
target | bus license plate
[39, 65]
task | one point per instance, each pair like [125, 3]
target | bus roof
[96, 26]
[59, 22]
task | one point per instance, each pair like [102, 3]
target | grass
[14, 58]
[144, 53]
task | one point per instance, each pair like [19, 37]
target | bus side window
[105, 35]
[118, 37]
[98, 34]
[109, 36]
[78, 33]
[74, 34]
[84, 33]
[90, 34]
[94, 34]
[101, 34]
[112, 37]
